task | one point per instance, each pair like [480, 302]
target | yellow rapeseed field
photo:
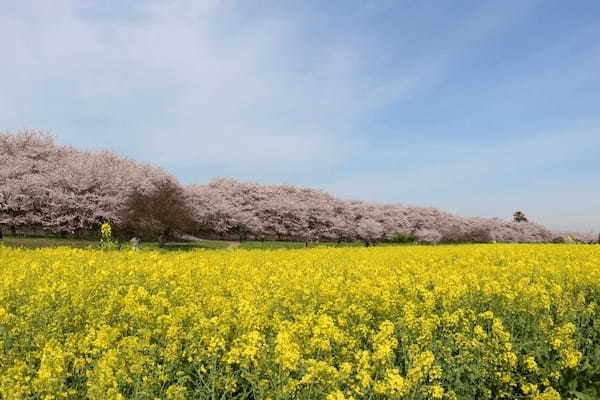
[414, 322]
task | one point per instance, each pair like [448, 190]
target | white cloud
[172, 77]
[191, 95]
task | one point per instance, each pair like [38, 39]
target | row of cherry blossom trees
[231, 208]
[56, 189]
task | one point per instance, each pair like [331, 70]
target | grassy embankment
[35, 242]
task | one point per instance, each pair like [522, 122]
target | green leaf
[581, 395]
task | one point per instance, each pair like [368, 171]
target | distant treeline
[47, 188]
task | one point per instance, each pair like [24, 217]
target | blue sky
[477, 108]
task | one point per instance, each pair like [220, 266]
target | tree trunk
[162, 239]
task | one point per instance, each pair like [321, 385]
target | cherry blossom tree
[369, 230]
[428, 236]
[159, 208]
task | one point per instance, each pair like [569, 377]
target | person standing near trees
[135, 243]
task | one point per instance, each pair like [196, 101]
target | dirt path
[231, 244]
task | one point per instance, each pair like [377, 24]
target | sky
[476, 108]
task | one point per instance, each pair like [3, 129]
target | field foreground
[446, 322]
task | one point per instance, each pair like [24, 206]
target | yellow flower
[548, 394]
[287, 351]
[479, 332]
[337, 395]
[571, 358]
[529, 389]
[437, 392]
[531, 364]
[175, 392]
[384, 342]
[393, 384]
